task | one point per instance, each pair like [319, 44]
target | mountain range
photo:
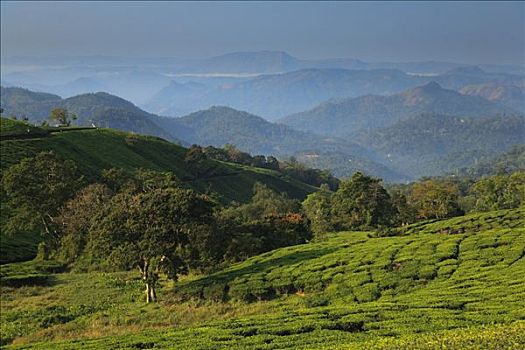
[427, 130]
[430, 144]
[271, 84]
[344, 117]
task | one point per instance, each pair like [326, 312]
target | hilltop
[101, 109]
[508, 95]
[345, 117]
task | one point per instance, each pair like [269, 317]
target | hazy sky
[469, 32]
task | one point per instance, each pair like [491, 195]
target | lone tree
[163, 230]
[37, 187]
[362, 202]
[62, 116]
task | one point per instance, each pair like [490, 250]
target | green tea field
[429, 288]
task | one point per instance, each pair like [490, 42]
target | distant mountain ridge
[508, 95]
[344, 117]
[101, 109]
[216, 126]
[220, 125]
[399, 137]
[429, 144]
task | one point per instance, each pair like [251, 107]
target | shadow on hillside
[256, 266]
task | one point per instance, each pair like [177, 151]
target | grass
[421, 290]
[97, 149]
[10, 127]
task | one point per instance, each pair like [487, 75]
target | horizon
[469, 33]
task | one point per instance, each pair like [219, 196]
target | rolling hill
[101, 109]
[429, 144]
[508, 95]
[215, 126]
[96, 149]
[218, 126]
[275, 95]
[344, 117]
[453, 283]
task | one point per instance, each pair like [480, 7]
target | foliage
[36, 188]
[61, 116]
[361, 202]
[317, 207]
[292, 168]
[499, 192]
[435, 199]
[156, 231]
[270, 220]
[416, 291]
[76, 218]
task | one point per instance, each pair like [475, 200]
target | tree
[162, 230]
[115, 178]
[435, 199]
[265, 202]
[406, 214]
[272, 163]
[362, 203]
[37, 187]
[317, 207]
[195, 160]
[75, 219]
[146, 180]
[61, 116]
[499, 192]
[270, 220]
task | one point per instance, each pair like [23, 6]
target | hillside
[276, 95]
[430, 144]
[218, 126]
[101, 109]
[98, 149]
[455, 283]
[215, 126]
[344, 117]
[509, 95]
[506, 163]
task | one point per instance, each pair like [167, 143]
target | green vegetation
[11, 128]
[96, 150]
[236, 264]
[511, 161]
[421, 290]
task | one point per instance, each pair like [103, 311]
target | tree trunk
[152, 293]
[148, 293]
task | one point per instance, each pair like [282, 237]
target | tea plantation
[451, 284]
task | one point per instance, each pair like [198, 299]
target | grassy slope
[417, 291]
[94, 150]
[10, 127]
